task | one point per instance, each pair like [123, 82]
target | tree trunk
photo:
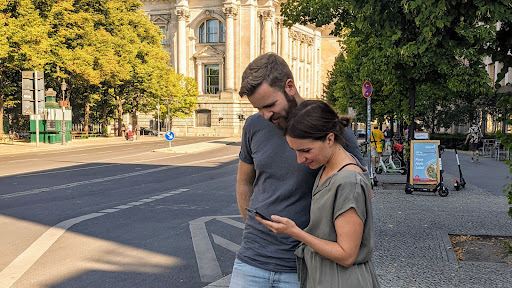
[104, 120]
[412, 106]
[119, 116]
[86, 115]
[1, 115]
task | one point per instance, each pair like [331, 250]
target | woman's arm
[349, 231]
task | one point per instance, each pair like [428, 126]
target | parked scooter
[461, 183]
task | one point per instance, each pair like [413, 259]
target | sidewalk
[412, 246]
[24, 147]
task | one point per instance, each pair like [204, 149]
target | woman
[337, 246]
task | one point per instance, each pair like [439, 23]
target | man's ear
[290, 88]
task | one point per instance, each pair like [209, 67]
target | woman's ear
[330, 138]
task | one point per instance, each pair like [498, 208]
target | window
[163, 32]
[203, 118]
[211, 73]
[212, 31]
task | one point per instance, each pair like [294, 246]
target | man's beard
[283, 119]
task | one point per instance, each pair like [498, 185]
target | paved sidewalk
[412, 246]
[25, 147]
[196, 146]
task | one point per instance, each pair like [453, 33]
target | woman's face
[314, 153]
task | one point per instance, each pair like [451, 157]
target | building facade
[213, 41]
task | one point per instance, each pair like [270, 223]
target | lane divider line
[99, 180]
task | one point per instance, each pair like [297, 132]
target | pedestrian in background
[376, 138]
[337, 245]
[123, 130]
[269, 178]
[474, 137]
[387, 139]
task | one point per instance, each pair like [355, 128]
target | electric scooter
[461, 183]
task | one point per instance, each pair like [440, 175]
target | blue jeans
[247, 276]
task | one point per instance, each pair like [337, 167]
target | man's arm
[244, 186]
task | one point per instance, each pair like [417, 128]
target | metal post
[36, 97]
[158, 117]
[368, 135]
[63, 126]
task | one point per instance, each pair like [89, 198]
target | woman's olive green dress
[339, 192]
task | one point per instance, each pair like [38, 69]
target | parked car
[361, 133]
[147, 131]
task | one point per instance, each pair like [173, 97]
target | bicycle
[364, 148]
[392, 163]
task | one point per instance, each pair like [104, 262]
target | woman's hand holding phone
[278, 225]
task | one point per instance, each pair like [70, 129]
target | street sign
[169, 135]
[367, 89]
[32, 92]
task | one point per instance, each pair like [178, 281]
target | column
[305, 81]
[183, 15]
[230, 13]
[267, 30]
[284, 44]
[200, 76]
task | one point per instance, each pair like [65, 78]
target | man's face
[273, 104]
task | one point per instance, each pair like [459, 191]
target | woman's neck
[339, 158]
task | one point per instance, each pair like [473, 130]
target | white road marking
[23, 160]
[100, 166]
[88, 154]
[209, 268]
[232, 222]
[233, 247]
[98, 180]
[30, 173]
[25, 260]
[10, 274]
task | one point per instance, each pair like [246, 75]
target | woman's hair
[315, 119]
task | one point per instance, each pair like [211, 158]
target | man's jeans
[247, 276]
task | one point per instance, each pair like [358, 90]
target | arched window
[212, 31]
[203, 118]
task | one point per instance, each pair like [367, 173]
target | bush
[450, 140]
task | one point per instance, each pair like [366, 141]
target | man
[474, 136]
[376, 138]
[269, 178]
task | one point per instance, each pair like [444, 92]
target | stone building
[214, 40]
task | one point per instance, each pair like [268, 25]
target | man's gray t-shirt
[281, 187]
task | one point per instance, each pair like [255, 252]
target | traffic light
[32, 92]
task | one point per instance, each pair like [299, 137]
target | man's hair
[315, 119]
[269, 68]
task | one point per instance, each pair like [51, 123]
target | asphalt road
[487, 173]
[118, 216]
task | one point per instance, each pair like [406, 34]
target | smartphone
[256, 213]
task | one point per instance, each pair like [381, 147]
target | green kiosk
[51, 120]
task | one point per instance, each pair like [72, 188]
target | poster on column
[424, 162]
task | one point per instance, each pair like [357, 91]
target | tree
[414, 42]
[24, 46]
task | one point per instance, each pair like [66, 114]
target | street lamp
[63, 88]
[158, 117]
